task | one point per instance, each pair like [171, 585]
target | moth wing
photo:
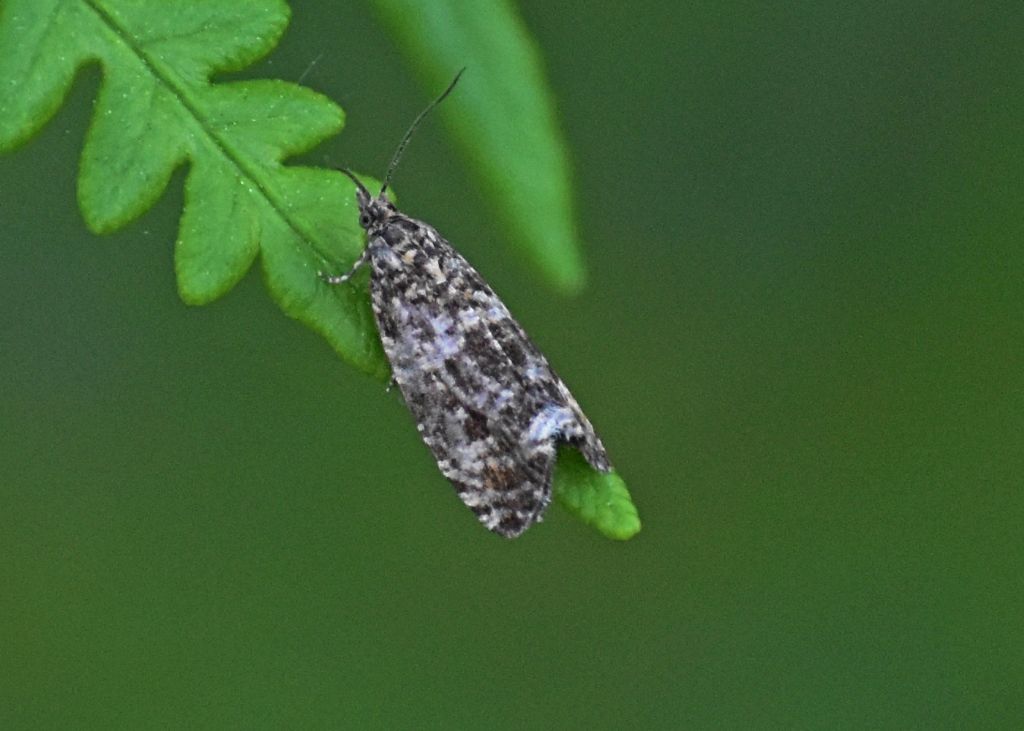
[506, 476]
[484, 398]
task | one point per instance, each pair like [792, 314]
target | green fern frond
[157, 110]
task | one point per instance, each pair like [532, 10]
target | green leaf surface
[599, 499]
[157, 110]
[504, 120]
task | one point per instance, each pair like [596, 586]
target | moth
[485, 400]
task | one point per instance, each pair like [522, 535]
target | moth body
[484, 398]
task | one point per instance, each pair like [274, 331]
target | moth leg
[392, 382]
[342, 278]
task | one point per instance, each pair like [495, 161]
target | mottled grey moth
[485, 400]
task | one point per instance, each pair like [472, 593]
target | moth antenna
[412, 128]
[357, 181]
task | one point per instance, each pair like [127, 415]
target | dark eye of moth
[364, 220]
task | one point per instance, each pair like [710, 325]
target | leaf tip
[599, 499]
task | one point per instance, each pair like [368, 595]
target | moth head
[373, 212]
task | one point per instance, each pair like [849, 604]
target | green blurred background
[802, 342]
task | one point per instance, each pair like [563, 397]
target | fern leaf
[157, 110]
[505, 122]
